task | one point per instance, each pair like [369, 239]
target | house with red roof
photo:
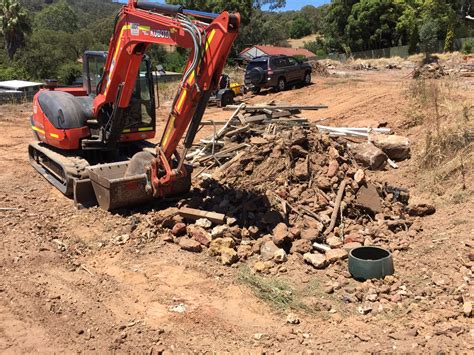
[257, 51]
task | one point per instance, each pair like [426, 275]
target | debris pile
[247, 126]
[429, 71]
[289, 192]
[319, 68]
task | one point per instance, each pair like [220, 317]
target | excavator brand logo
[160, 33]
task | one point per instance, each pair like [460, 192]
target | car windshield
[261, 63]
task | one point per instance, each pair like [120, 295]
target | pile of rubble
[291, 191]
[429, 71]
[319, 68]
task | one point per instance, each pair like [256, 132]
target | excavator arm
[139, 25]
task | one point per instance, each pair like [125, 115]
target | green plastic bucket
[370, 263]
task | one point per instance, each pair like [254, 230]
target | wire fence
[400, 51]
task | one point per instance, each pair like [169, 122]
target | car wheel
[281, 85]
[307, 78]
[255, 91]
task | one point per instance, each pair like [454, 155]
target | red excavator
[91, 140]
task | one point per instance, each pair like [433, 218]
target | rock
[310, 234]
[199, 234]
[179, 229]
[369, 156]
[292, 318]
[301, 169]
[359, 176]
[190, 245]
[369, 199]
[219, 231]
[120, 240]
[272, 217]
[217, 244]
[301, 246]
[365, 309]
[298, 137]
[334, 242]
[244, 251]
[317, 260]
[334, 255]
[231, 221]
[333, 168]
[228, 256]
[298, 151]
[353, 237]
[421, 210]
[352, 245]
[280, 256]
[267, 250]
[395, 147]
[471, 255]
[203, 222]
[467, 309]
[396, 298]
[281, 236]
[323, 183]
[261, 266]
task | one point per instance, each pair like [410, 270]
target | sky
[290, 4]
[298, 4]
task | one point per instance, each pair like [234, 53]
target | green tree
[300, 28]
[429, 36]
[15, 25]
[57, 17]
[372, 24]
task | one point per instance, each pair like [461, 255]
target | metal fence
[401, 51]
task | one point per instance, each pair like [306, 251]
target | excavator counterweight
[92, 141]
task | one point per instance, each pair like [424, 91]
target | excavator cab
[140, 116]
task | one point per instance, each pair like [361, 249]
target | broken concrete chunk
[179, 229]
[359, 176]
[190, 245]
[369, 156]
[267, 250]
[203, 222]
[301, 246]
[334, 255]
[369, 199]
[396, 147]
[310, 234]
[228, 256]
[301, 169]
[334, 242]
[199, 234]
[281, 236]
[280, 256]
[217, 244]
[317, 260]
[219, 231]
[333, 168]
[298, 137]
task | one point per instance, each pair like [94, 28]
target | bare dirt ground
[68, 282]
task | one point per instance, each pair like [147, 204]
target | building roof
[18, 84]
[271, 50]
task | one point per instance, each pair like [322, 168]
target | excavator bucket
[115, 190]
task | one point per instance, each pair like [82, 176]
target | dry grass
[167, 91]
[276, 292]
[445, 155]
